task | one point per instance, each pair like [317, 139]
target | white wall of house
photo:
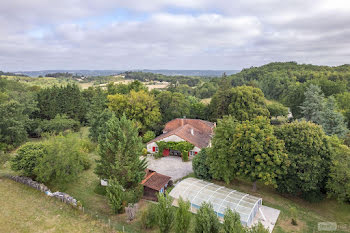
[171, 138]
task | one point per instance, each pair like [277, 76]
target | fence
[65, 198]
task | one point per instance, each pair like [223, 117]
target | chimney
[182, 122]
[192, 131]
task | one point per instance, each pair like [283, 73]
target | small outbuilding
[198, 191]
[154, 183]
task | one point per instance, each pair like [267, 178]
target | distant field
[24, 209]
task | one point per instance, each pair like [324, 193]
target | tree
[259, 228]
[182, 216]
[232, 222]
[98, 125]
[139, 106]
[173, 105]
[260, 155]
[165, 212]
[243, 103]
[309, 153]
[338, 184]
[149, 135]
[206, 220]
[343, 102]
[277, 109]
[313, 104]
[115, 195]
[331, 120]
[200, 165]
[120, 148]
[58, 124]
[222, 165]
[63, 161]
[97, 106]
[27, 158]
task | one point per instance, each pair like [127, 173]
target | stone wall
[64, 197]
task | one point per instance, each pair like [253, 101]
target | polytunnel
[198, 191]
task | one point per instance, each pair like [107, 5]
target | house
[154, 183]
[195, 131]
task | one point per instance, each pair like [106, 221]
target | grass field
[24, 209]
[83, 189]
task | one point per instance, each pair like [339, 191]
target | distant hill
[212, 73]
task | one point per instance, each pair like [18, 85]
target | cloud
[199, 34]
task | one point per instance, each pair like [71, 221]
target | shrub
[116, 196]
[149, 217]
[27, 158]
[62, 161]
[206, 220]
[148, 136]
[182, 217]
[59, 124]
[258, 229]
[165, 212]
[232, 222]
[200, 165]
[100, 190]
[4, 157]
[144, 151]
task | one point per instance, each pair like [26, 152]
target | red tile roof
[154, 180]
[195, 131]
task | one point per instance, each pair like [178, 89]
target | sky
[166, 34]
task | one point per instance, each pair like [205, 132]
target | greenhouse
[198, 191]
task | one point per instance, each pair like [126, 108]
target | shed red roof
[198, 132]
[154, 180]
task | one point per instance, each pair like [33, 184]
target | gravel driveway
[171, 166]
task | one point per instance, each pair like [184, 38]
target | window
[155, 149]
[192, 153]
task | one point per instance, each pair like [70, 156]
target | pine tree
[165, 212]
[331, 120]
[232, 222]
[313, 104]
[182, 216]
[206, 220]
[120, 148]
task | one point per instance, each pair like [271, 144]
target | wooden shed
[154, 183]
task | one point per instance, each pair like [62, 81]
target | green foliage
[165, 212]
[59, 124]
[173, 105]
[243, 103]
[139, 106]
[277, 109]
[343, 103]
[222, 164]
[206, 220]
[62, 161]
[27, 158]
[259, 228]
[332, 121]
[116, 196]
[232, 222]
[98, 125]
[182, 216]
[148, 136]
[313, 105]
[61, 100]
[200, 165]
[184, 147]
[309, 154]
[338, 184]
[120, 148]
[248, 149]
[96, 106]
[149, 218]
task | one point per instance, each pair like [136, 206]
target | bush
[148, 136]
[182, 217]
[116, 196]
[144, 151]
[206, 220]
[184, 156]
[62, 161]
[4, 157]
[232, 222]
[87, 146]
[149, 217]
[200, 166]
[100, 190]
[27, 158]
[59, 124]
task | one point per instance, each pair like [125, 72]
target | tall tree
[173, 105]
[165, 212]
[120, 148]
[332, 121]
[182, 216]
[140, 106]
[309, 153]
[232, 222]
[313, 104]
[243, 102]
[206, 220]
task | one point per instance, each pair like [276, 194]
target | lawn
[24, 209]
